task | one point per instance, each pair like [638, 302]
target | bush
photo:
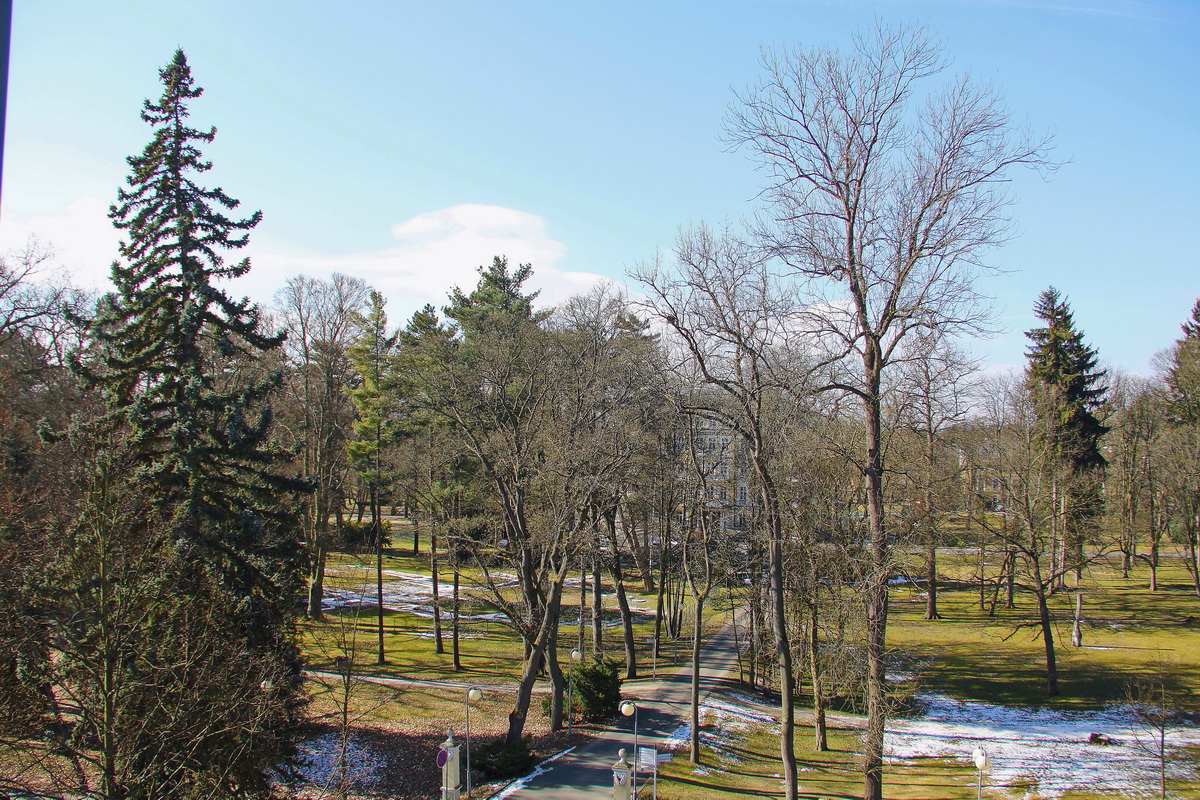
[598, 688]
[499, 759]
[357, 536]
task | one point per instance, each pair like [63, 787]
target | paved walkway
[663, 705]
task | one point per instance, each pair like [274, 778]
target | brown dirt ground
[408, 755]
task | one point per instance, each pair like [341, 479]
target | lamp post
[576, 657]
[473, 695]
[630, 709]
[981, 763]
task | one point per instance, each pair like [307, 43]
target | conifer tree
[180, 367]
[1063, 372]
[170, 343]
[1067, 389]
[372, 355]
[1183, 373]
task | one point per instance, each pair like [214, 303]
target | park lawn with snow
[980, 681]
[489, 650]
[740, 757]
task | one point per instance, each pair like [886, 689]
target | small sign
[442, 758]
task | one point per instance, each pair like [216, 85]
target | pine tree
[173, 345]
[180, 367]
[372, 355]
[1183, 373]
[1067, 389]
[1064, 375]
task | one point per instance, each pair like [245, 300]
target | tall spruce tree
[178, 357]
[373, 356]
[1183, 373]
[1066, 385]
[179, 364]
[1066, 380]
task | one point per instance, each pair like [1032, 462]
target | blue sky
[409, 142]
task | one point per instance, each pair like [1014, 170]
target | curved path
[585, 773]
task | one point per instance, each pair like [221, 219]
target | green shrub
[597, 688]
[499, 759]
[358, 536]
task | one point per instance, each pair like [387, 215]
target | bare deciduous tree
[319, 318]
[729, 314]
[883, 207]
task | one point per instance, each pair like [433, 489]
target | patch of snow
[318, 761]
[746, 698]
[678, 738]
[1047, 747]
[397, 598]
[730, 716]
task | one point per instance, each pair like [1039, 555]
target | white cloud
[82, 238]
[435, 251]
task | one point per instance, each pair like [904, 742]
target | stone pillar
[622, 771]
[448, 760]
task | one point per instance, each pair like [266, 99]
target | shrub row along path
[585, 773]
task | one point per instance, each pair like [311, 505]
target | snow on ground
[411, 594]
[1046, 746]
[719, 719]
[318, 759]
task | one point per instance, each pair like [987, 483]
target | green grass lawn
[1128, 631]
[490, 652]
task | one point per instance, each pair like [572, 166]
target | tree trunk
[597, 610]
[931, 587]
[455, 613]
[582, 603]
[787, 678]
[1077, 626]
[820, 738]
[377, 526]
[982, 579]
[623, 604]
[533, 665]
[438, 647]
[1155, 536]
[697, 637]
[1041, 587]
[316, 582]
[876, 590]
[641, 555]
[558, 683]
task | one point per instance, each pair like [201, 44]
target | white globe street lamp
[473, 696]
[980, 757]
[576, 657]
[630, 709]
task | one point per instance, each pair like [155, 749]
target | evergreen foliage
[1066, 384]
[1183, 373]
[598, 688]
[498, 294]
[180, 368]
[1066, 387]
[177, 356]
[373, 356]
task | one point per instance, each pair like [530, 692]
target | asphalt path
[663, 704]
